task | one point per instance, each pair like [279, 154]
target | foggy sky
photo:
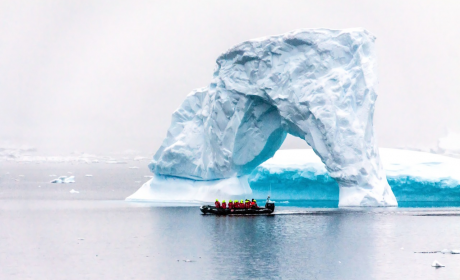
[105, 76]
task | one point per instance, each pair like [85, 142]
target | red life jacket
[224, 205]
[230, 205]
[242, 206]
[237, 205]
[253, 204]
[247, 204]
[217, 204]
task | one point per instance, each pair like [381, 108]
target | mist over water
[105, 76]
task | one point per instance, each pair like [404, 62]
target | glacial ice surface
[413, 176]
[316, 84]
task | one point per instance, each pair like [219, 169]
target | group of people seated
[243, 204]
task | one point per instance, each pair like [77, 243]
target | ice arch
[316, 84]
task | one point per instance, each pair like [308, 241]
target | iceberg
[413, 176]
[315, 84]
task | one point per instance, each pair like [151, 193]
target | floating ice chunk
[455, 251]
[133, 167]
[80, 238]
[446, 251]
[64, 180]
[437, 264]
[89, 175]
[74, 191]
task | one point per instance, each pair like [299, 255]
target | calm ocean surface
[46, 232]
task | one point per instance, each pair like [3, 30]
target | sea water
[48, 232]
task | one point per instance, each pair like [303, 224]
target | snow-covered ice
[174, 189]
[413, 176]
[74, 191]
[316, 84]
[437, 264]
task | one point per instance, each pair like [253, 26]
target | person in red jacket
[247, 204]
[217, 203]
[230, 204]
[236, 204]
[224, 205]
[242, 204]
[254, 204]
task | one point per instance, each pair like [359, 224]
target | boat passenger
[254, 204]
[224, 205]
[247, 204]
[230, 204]
[242, 204]
[217, 203]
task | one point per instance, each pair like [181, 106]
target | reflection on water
[42, 240]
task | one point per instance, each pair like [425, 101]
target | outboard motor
[270, 205]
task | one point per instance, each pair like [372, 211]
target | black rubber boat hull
[208, 209]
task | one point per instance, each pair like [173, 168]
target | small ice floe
[133, 167]
[80, 238]
[188, 260]
[74, 191]
[64, 180]
[89, 175]
[437, 264]
[455, 251]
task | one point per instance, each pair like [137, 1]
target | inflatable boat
[267, 210]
